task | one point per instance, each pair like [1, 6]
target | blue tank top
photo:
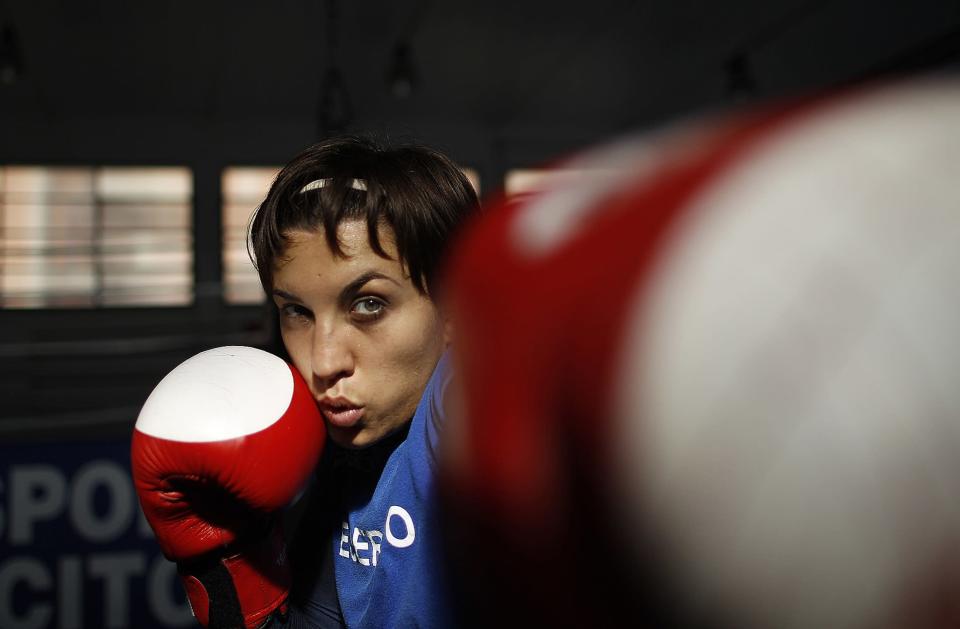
[386, 560]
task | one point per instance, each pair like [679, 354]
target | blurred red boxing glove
[224, 442]
[713, 383]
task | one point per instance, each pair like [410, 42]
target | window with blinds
[243, 188]
[78, 237]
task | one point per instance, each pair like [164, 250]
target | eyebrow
[351, 289]
[285, 295]
[348, 291]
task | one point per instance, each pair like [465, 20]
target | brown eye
[294, 311]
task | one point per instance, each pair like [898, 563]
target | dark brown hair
[415, 190]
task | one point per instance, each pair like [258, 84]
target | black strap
[225, 610]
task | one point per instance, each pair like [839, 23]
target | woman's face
[358, 331]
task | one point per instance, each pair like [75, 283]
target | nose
[332, 360]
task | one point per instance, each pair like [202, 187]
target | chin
[353, 437]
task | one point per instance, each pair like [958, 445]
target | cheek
[414, 348]
[298, 347]
[410, 346]
[421, 342]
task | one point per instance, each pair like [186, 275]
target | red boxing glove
[224, 442]
[713, 381]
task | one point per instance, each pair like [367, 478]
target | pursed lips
[340, 412]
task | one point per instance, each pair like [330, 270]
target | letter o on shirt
[411, 533]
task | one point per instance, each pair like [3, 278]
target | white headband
[356, 184]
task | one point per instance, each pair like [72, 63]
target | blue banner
[75, 550]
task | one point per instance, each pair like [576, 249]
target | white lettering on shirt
[364, 547]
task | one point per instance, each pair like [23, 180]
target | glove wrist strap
[243, 589]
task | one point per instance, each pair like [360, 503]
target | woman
[347, 243]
